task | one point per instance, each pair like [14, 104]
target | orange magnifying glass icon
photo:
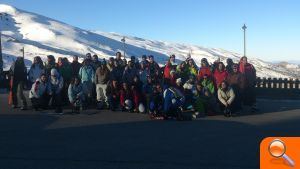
[277, 149]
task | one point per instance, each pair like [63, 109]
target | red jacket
[204, 71]
[249, 72]
[219, 77]
[167, 70]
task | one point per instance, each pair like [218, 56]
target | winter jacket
[49, 66]
[204, 71]
[236, 79]
[38, 89]
[102, 76]
[208, 85]
[116, 74]
[87, 74]
[56, 84]
[75, 92]
[112, 92]
[129, 74]
[19, 72]
[167, 70]
[143, 75]
[192, 71]
[219, 77]
[227, 96]
[35, 72]
[249, 72]
[153, 67]
[125, 95]
[75, 68]
[66, 72]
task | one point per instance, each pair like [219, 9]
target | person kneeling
[226, 97]
[38, 93]
[76, 95]
[126, 98]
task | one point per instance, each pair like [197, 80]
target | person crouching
[226, 97]
[76, 95]
[38, 93]
[56, 83]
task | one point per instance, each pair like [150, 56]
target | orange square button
[280, 152]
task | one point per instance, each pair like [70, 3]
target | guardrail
[278, 88]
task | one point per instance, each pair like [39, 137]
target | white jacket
[38, 89]
[226, 96]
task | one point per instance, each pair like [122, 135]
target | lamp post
[124, 45]
[244, 28]
[1, 60]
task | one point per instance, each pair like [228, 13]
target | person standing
[101, 80]
[36, 69]
[249, 72]
[75, 65]
[18, 75]
[87, 77]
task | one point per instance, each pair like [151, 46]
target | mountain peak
[7, 9]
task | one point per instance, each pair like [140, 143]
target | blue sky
[273, 25]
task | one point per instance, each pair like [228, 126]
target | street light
[1, 61]
[124, 45]
[244, 28]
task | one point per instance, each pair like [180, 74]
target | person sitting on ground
[126, 98]
[38, 93]
[208, 84]
[76, 95]
[173, 102]
[226, 97]
[56, 84]
[199, 102]
[148, 91]
[113, 94]
[138, 95]
[156, 103]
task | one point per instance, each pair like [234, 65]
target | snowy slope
[42, 36]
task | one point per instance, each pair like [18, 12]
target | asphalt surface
[118, 140]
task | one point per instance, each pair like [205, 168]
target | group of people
[138, 86]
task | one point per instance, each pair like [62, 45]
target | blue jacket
[87, 74]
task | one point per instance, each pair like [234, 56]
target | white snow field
[42, 36]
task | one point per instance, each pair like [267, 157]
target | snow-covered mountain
[42, 36]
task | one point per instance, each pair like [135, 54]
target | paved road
[116, 140]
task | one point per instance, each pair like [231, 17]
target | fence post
[285, 83]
